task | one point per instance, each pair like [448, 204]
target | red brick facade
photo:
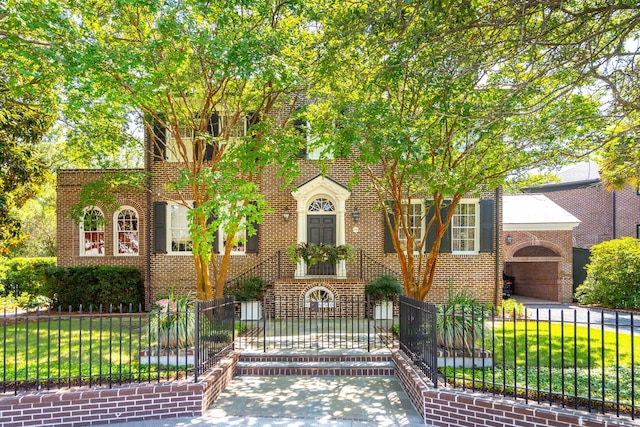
[479, 274]
[604, 214]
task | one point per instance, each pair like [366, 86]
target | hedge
[94, 286]
[25, 275]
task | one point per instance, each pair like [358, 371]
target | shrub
[25, 275]
[94, 286]
[460, 322]
[172, 322]
[613, 275]
[511, 307]
[383, 287]
[247, 289]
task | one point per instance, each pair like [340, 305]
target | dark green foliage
[25, 275]
[613, 275]
[93, 286]
[247, 289]
[383, 286]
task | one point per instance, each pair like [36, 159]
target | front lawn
[568, 363]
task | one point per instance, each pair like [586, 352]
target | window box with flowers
[310, 253]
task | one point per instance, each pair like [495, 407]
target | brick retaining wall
[445, 407]
[130, 402]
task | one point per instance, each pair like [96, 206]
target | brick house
[148, 231]
[603, 214]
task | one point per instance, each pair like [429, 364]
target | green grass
[75, 350]
[555, 345]
[545, 361]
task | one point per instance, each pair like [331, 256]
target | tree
[27, 111]
[194, 73]
[441, 101]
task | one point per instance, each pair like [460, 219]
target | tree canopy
[441, 101]
[27, 111]
[175, 66]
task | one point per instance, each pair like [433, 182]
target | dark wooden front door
[321, 229]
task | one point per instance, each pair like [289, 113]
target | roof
[535, 212]
[580, 175]
[585, 171]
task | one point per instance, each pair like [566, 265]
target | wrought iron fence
[585, 359]
[112, 345]
[418, 335]
[318, 322]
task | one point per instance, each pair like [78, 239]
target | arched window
[321, 205]
[92, 233]
[319, 297]
[126, 232]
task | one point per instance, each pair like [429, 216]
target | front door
[321, 229]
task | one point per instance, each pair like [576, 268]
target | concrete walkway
[305, 402]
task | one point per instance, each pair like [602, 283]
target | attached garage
[538, 247]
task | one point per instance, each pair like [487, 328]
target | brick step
[311, 365]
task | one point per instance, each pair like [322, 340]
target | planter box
[383, 310]
[168, 357]
[464, 358]
[250, 310]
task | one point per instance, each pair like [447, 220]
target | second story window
[92, 233]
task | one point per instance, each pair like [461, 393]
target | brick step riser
[304, 371]
[314, 359]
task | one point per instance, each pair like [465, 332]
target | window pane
[463, 228]
[93, 233]
[127, 223]
[180, 239]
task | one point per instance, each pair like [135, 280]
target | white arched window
[319, 297]
[126, 232]
[92, 233]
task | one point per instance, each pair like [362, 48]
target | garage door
[535, 279]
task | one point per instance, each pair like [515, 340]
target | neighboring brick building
[603, 214]
[351, 216]
[538, 253]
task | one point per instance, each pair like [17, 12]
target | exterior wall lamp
[355, 214]
[286, 214]
[509, 239]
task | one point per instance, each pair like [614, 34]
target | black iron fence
[585, 359]
[318, 321]
[112, 345]
[418, 335]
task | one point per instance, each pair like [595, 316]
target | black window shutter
[214, 239]
[445, 242]
[486, 225]
[214, 129]
[388, 239]
[301, 126]
[252, 241]
[159, 142]
[160, 227]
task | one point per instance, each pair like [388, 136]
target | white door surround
[321, 187]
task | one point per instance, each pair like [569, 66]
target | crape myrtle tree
[439, 101]
[193, 73]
